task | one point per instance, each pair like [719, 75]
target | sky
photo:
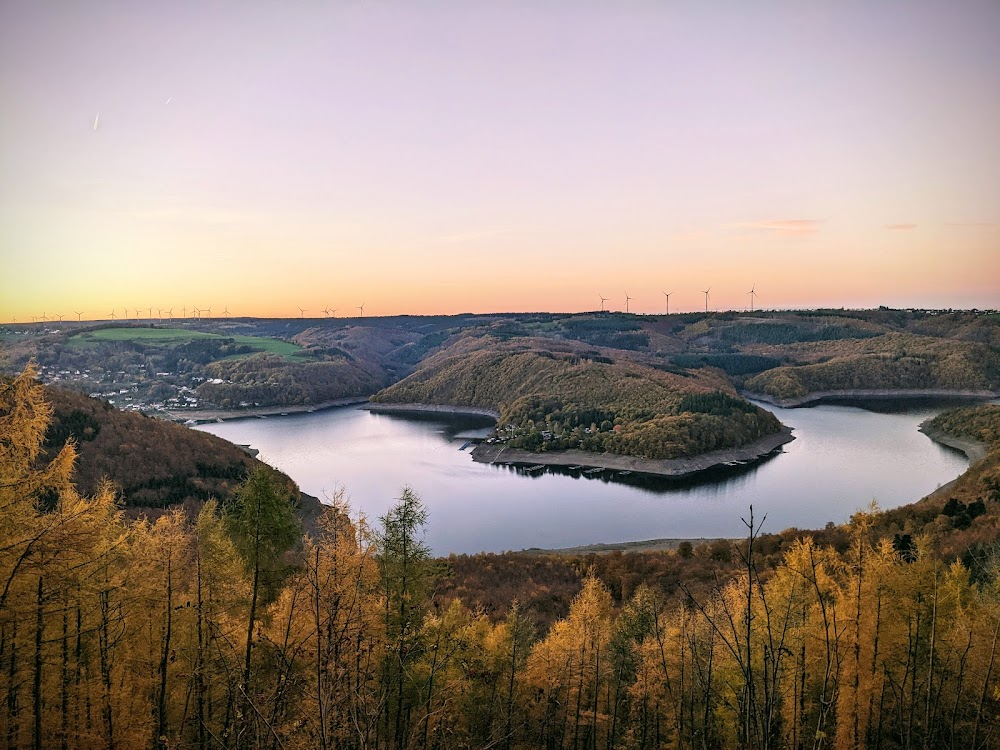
[445, 157]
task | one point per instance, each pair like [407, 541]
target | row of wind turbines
[332, 312]
[198, 313]
[163, 313]
[752, 293]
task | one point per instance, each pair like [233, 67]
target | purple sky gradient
[445, 157]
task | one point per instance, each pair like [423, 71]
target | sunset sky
[445, 157]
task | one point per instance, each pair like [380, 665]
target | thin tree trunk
[199, 664]
[597, 683]
[986, 687]
[430, 688]
[103, 647]
[64, 682]
[930, 663]
[318, 623]
[579, 694]
[78, 666]
[510, 683]
[251, 619]
[161, 703]
[36, 736]
[13, 712]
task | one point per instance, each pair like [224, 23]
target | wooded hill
[220, 632]
[555, 395]
[890, 361]
[153, 464]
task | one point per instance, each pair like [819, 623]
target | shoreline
[675, 468]
[379, 407]
[647, 545]
[879, 394]
[974, 450]
[205, 416]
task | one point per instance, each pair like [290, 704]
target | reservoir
[843, 457]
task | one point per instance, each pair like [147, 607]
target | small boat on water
[465, 445]
[536, 467]
[574, 468]
[624, 473]
[593, 471]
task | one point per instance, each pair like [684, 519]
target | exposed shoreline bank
[647, 545]
[880, 394]
[674, 468]
[203, 416]
[378, 407]
[975, 450]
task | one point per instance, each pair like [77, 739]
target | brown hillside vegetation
[891, 361]
[267, 379]
[219, 631]
[962, 519]
[153, 463]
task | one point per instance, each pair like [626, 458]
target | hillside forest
[230, 628]
[655, 387]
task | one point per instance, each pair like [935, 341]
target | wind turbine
[170, 313]
[79, 316]
[112, 314]
[208, 310]
[137, 311]
[196, 312]
[627, 298]
[667, 295]
[361, 307]
[302, 312]
[225, 312]
[705, 292]
[333, 312]
[184, 312]
[752, 294]
[60, 316]
[603, 300]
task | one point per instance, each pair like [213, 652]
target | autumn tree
[264, 527]
[406, 571]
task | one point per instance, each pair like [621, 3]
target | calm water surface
[842, 458]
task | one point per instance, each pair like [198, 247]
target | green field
[176, 336]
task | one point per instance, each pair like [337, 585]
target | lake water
[842, 458]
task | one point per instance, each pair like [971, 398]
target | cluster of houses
[126, 389]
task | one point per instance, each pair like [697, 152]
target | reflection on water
[842, 458]
[728, 476]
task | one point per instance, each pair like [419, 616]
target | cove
[843, 457]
